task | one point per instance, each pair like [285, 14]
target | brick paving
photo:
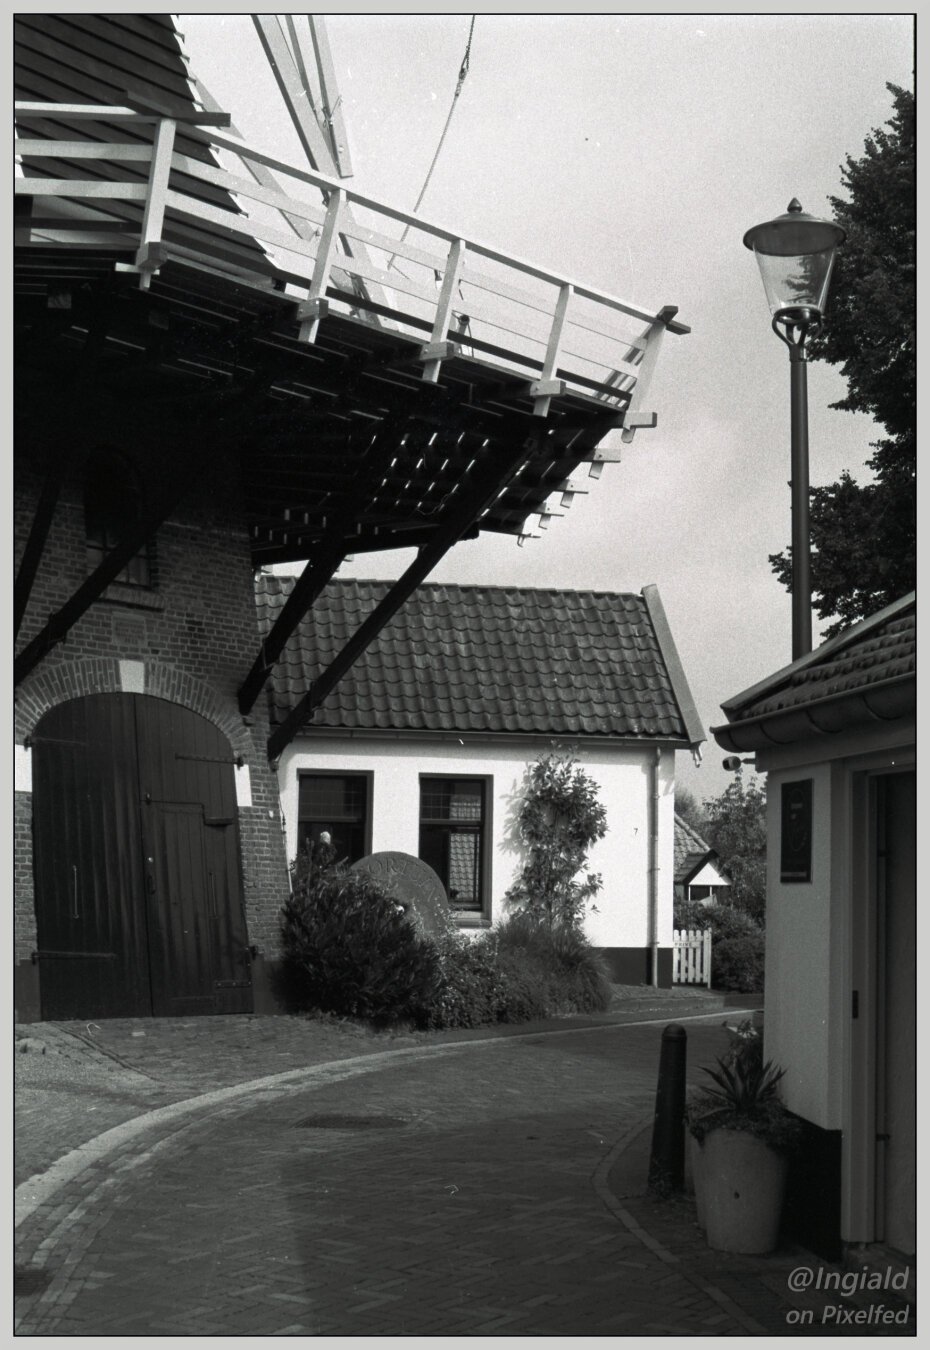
[446, 1188]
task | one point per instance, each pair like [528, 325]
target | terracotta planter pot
[743, 1185]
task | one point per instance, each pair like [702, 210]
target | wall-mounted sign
[797, 822]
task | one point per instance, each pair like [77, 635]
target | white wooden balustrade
[336, 251]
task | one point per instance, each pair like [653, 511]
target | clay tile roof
[864, 674]
[691, 851]
[487, 658]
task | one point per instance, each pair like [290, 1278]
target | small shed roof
[489, 659]
[691, 851]
[864, 675]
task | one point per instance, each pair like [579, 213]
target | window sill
[471, 920]
[134, 597]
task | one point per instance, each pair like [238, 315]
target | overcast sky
[631, 153]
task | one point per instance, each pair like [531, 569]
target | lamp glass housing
[795, 253]
[797, 280]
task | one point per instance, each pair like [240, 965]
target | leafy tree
[863, 536]
[690, 810]
[559, 819]
[735, 827]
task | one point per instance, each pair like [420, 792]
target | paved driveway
[451, 1191]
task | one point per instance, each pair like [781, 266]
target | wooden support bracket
[306, 591]
[310, 310]
[635, 416]
[438, 351]
[547, 388]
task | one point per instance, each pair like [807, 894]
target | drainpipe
[654, 869]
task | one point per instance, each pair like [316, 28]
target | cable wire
[463, 71]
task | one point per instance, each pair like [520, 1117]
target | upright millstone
[414, 885]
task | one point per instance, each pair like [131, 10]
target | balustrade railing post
[548, 386]
[438, 348]
[316, 306]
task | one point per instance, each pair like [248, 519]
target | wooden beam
[494, 476]
[332, 101]
[307, 589]
[314, 143]
[189, 116]
[152, 253]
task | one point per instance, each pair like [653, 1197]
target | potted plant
[742, 1138]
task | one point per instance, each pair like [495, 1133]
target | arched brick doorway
[137, 872]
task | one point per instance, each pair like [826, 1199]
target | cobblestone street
[459, 1188]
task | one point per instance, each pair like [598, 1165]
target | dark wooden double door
[137, 872]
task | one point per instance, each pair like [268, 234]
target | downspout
[654, 870]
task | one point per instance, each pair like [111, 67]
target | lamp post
[795, 253]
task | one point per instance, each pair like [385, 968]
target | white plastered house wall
[620, 921]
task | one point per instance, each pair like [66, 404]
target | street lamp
[795, 253]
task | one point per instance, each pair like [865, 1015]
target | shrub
[352, 951]
[518, 972]
[558, 961]
[738, 950]
[470, 985]
[738, 964]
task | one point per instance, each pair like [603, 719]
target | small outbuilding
[699, 874]
[423, 746]
[835, 732]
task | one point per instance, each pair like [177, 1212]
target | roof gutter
[885, 701]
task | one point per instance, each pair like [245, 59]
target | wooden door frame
[861, 1221]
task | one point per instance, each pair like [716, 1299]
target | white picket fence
[691, 962]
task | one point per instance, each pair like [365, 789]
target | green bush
[738, 964]
[471, 983]
[738, 944]
[738, 950]
[352, 951]
[563, 968]
[519, 972]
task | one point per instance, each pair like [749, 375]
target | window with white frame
[453, 838]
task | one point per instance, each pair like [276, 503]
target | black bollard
[667, 1160]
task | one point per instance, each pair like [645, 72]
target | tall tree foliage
[689, 808]
[734, 824]
[864, 535]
